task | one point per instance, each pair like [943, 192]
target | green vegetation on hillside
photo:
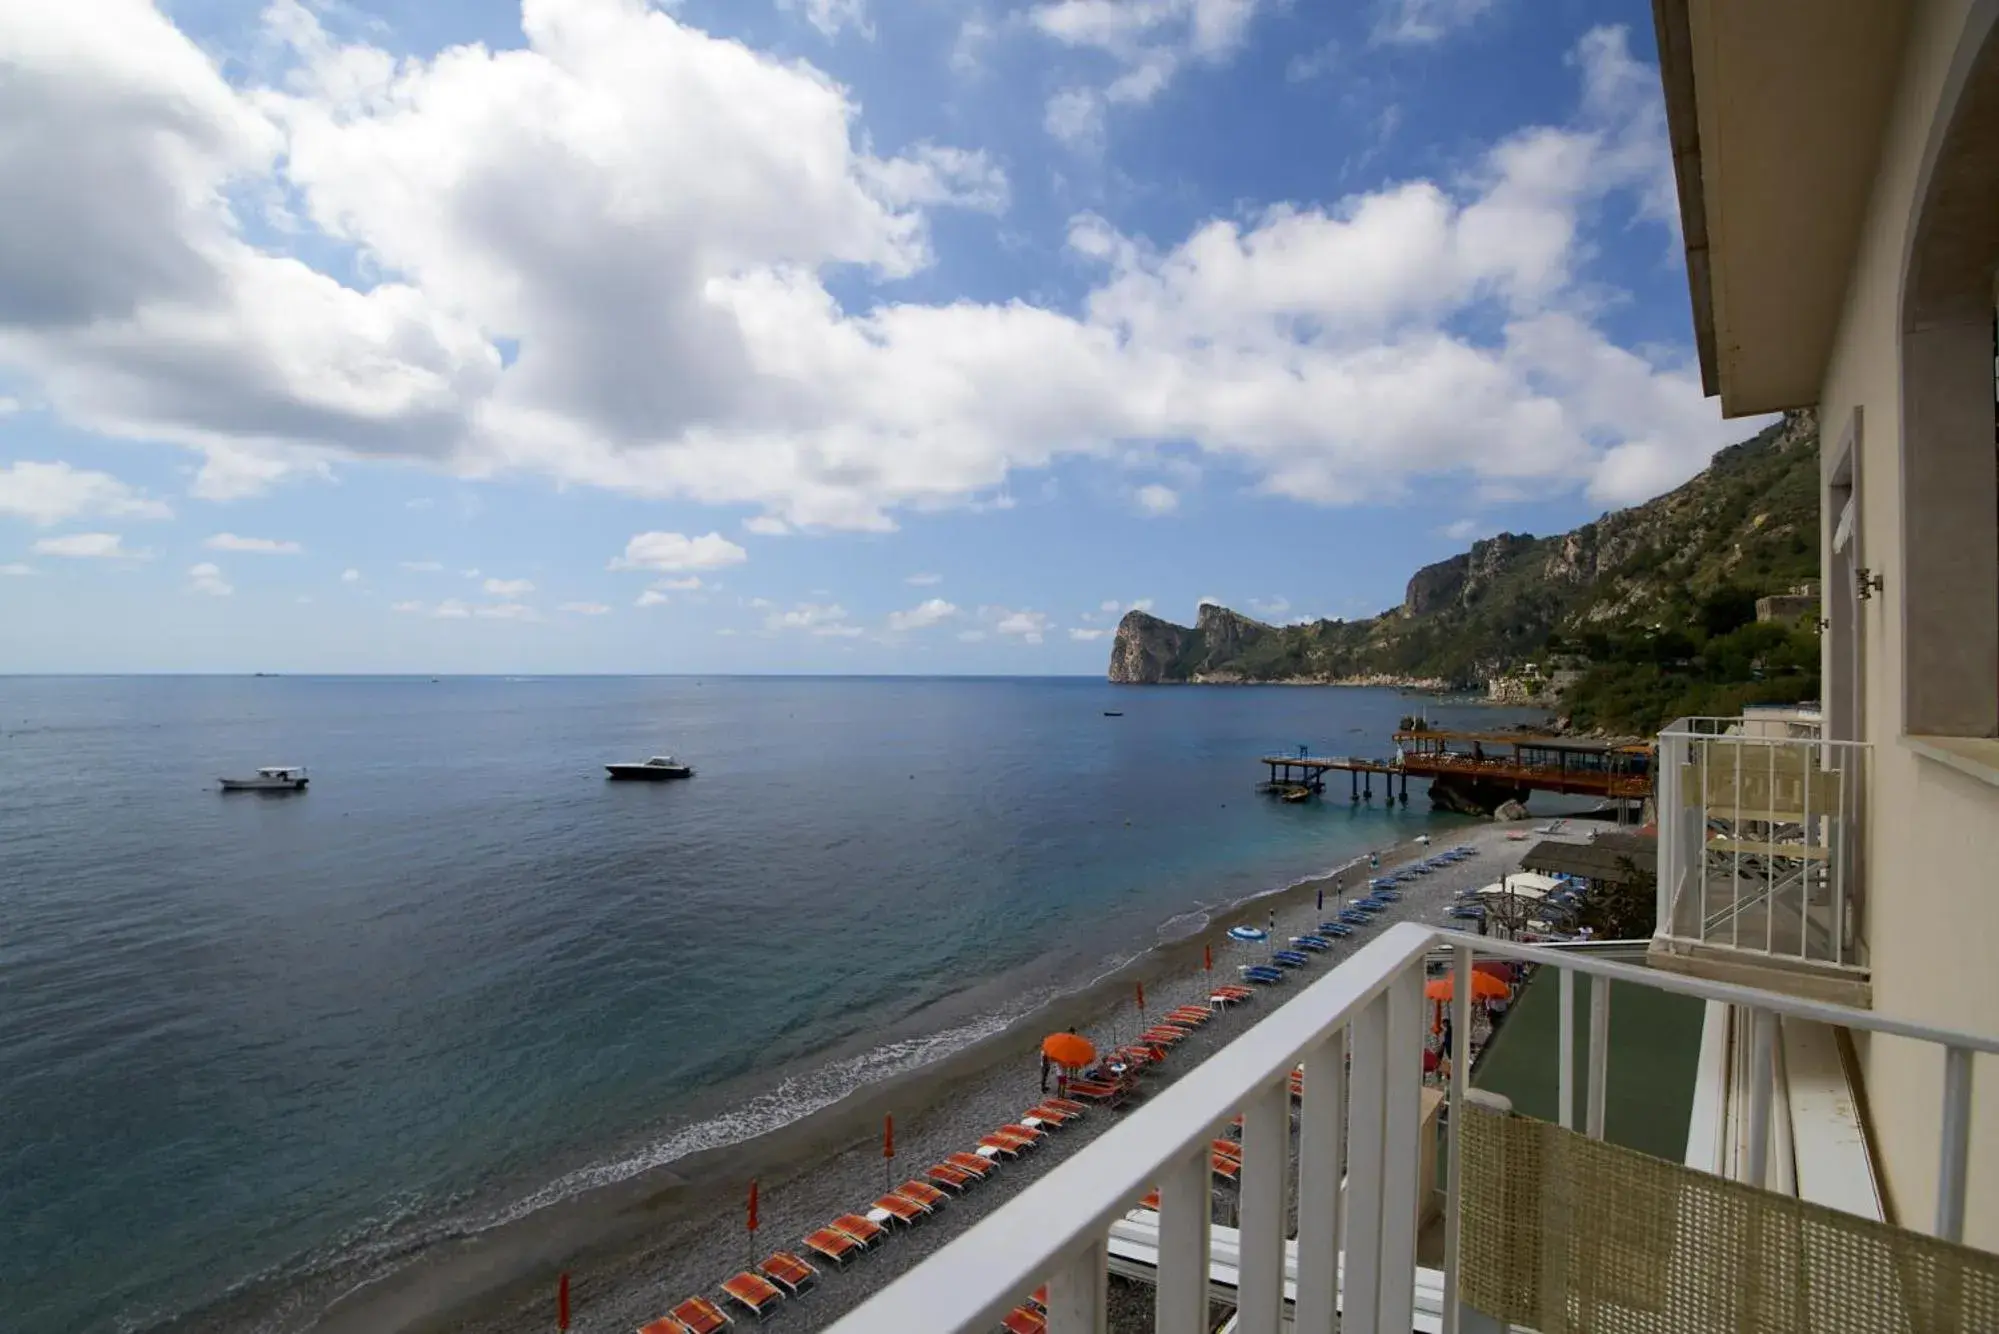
[1656, 604]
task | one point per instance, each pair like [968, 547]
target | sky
[808, 335]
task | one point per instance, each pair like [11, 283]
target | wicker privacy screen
[1569, 1235]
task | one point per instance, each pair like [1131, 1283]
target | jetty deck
[1620, 770]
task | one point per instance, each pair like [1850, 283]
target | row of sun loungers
[784, 1276]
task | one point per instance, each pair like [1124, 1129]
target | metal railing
[1759, 840]
[1359, 1033]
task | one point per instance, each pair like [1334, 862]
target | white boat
[655, 770]
[270, 778]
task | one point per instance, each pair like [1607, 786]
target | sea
[257, 1050]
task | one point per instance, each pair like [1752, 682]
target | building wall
[1932, 842]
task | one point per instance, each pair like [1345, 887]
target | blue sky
[808, 335]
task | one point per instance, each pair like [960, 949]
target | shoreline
[678, 1228]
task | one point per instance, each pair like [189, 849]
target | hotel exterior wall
[1932, 831]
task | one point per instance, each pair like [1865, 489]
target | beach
[636, 1249]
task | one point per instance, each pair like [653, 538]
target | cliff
[1747, 525]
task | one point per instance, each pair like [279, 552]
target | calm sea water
[278, 1043]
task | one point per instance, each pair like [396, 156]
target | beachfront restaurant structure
[1828, 889]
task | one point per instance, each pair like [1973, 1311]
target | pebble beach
[635, 1251]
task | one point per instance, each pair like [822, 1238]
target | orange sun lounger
[1227, 1148]
[1225, 1166]
[834, 1245]
[864, 1230]
[922, 1194]
[1024, 1320]
[701, 1316]
[956, 1178]
[1095, 1092]
[666, 1324]
[754, 1291]
[1018, 1131]
[1065, 1105]
[1151, 1201]
[1000, 1144]
[971, 1162]
[1047, 1115]
[901, 1207]
[789, 1272]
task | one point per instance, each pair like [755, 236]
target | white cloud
[350, 576]
[509, 588]
[1140, 604]
[651, 597]
[585, 608]
[51, 493]
[766, 525]
[830, 16]
[408, 608]
[451, 609]
[1209, 601]
[262, 546]
[506, 611]
[9, 406]
[924, 580]
[669, 333]
[420, 503]
[686, 584]
[1147, 41]
[1422, 22]
[1087, 636]
[89, 546]
[972, 636]
[424, 566]
[1113, 607]
[1270, 608]
[206, 578]
[1028, 626]
[677, 551]
[1155, 499]
[16, 570]
[1459, 530]
[922, 616]
[823, 619]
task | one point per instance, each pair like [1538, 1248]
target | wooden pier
[1498, 761]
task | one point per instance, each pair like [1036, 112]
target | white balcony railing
[1359, 1032]
[1759, 841]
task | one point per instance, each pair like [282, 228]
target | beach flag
[753, 1220]
[1141, 996]
[1322, 898]
[562, 1302]
[1207, 958]
[888, 1146]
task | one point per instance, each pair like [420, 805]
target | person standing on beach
[1044, 1072]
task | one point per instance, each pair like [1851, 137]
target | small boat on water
[1113, 713]
[655, 770]
[270, 778]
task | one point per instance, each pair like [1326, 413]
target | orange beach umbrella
[1068, 1050]
[1484, 986]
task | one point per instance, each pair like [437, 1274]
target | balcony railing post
[1599, 1053]
[1954, 1154]
[1762, 1087]
[1402, 1149]
[1322, 1132]
[1078, 1290]
[1186, 1212]
[1266, 1166]
[1461, 974]
[1365, 1170]
[1565, 1077]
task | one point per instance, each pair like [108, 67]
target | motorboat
[270, 778]
[655, 770]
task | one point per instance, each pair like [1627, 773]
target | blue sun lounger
[1335, 929]
[1313, 943]
[1290, 958]
[1261, 972]
[1354, 917]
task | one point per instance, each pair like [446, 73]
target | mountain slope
[1635, 582]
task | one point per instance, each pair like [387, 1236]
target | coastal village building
[1827, 879]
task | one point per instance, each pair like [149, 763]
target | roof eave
[1676, 77]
